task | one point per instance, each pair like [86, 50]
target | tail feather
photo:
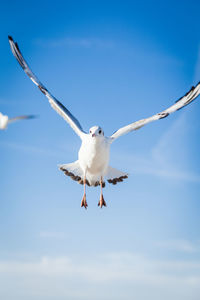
[73, 170]
[114, 176]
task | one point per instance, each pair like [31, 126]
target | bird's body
[94, 155]
[92, 165]
[93, 161]
[3, 121]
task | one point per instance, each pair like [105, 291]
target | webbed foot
[84, 202]
[102, 201]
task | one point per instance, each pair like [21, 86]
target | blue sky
[110, 63]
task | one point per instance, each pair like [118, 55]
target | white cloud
[109, 276]
[84, 42]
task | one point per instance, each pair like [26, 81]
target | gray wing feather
[180, 103]
[56, 105]
[10, 120]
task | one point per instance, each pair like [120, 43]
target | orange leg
[101, 201]
[84, 202]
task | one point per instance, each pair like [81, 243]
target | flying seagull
[4, 120]
[92, 167]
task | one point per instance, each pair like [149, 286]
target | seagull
[92, 166]
[4, 120]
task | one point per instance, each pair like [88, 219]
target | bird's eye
[99, 131]
[90, 131]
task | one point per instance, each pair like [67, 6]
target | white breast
[94, 155]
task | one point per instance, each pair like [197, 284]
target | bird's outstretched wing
[59, 107]
[11, 120]
[180, 103]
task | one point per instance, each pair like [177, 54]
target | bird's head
[96, 131]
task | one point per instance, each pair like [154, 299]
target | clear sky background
[110, 63]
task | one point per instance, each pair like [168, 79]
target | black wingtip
[16, 45]
[10, 38]
[192, 88]
[32, 116]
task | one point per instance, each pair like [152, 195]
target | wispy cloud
[4, 102]
[180, 245]
[84, 42]
[197, 67]
[52, 235]
[161, 160]
[117, 274]
[31, 149]
[10, 103]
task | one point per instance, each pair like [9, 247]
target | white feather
[113, 173]
[3, 121]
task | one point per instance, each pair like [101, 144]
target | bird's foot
[84, 202]
[102, 201]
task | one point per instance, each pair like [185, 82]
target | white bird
[93, 158]
[4, 120]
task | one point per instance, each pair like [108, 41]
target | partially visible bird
[92, 165]
[4, 120]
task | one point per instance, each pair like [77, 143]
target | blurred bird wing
[11, 120]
